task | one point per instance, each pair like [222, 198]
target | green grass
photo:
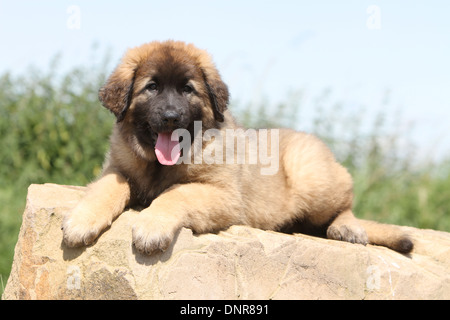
[53, 129]
[10, 220]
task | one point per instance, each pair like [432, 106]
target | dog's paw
[152, 233]
[353, 233]
[82, 226]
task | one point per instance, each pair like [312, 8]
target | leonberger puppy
[171, 107]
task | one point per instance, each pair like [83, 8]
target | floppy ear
[218, 94]
[117, 92]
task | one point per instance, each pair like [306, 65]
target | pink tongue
[167, 148]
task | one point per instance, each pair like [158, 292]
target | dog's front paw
[82, 226]
[152, 233]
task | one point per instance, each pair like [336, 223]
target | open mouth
[167, 147]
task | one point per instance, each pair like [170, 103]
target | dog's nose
[171, 118]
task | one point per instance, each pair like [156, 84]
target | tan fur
[309, 189]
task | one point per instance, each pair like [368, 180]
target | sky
[360, 49]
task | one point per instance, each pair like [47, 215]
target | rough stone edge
[422, 248]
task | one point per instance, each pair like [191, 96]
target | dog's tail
[387, 235]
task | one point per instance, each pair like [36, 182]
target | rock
[239, 263]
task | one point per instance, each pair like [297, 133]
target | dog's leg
[104, 201]
[346, 227]
[201, 207]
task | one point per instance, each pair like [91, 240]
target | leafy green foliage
[52, 132]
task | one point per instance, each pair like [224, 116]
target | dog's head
[162, 86]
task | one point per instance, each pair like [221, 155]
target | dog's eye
[152, 86]
[188, 89]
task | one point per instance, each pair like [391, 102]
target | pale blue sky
[265, 47]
